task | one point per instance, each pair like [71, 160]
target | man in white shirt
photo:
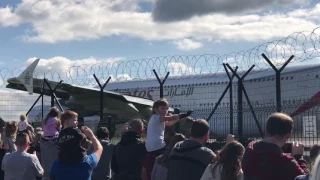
[20, 165]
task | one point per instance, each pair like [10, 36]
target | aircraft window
[317, 76]
[291, 77]
[211, 83]
[185, 85]
[259, 80]
[272, 79]
[268, 79]
[287, 78]
[203, 84]
[211, 104]
[263, 79]
[178, 85]
[214, 83]
[196, 84]
[250, 80]
[200, 104]
[254, 80]
[207, 84]
[282, 78]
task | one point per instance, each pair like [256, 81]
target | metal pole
[41, 95]
[161, 83]
[109, 123]
[218, 103]
[253, 113]
[53, 94]
[240, 109]
[42, 100]
[101, 95]
[231, 95]
[278, 90]
[34, 104]
[278, 79]
[240, 101]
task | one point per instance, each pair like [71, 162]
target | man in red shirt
[265, 160]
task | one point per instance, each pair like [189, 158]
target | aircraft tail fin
[26, 77]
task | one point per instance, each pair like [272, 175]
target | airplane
[200, 92]
[86, 100]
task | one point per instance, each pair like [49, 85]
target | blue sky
[47, 29]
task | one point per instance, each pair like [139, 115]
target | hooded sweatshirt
[265, 161]
[188, 160]
[128, 157]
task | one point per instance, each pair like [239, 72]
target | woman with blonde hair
[227, 165]
[159, 171]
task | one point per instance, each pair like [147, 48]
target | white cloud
[122, 77]
[188, 44]
[74, 71]
[58, 21]
[179, 68]
[7, 18]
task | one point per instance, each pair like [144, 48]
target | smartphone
[287, 148]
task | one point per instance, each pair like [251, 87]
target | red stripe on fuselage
[312, 102]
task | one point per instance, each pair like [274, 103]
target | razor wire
[303, 45]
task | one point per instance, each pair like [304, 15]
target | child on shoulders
[156, 125]
[51, 124]
[23, 123]
[155, 142]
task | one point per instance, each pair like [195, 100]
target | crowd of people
[62, 151]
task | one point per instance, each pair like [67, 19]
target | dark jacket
[128, 157]
[188, 160]
[265, 161]
[103, 169]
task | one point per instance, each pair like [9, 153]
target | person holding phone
[265, 159]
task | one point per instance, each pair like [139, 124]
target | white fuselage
[201, 93]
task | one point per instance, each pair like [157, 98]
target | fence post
[278, 79]
[241, 89]
[101, 95]
[231, 95]
[161, 83]
[53, 94]
[41, 95]
[42, 100]
[222, 96]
